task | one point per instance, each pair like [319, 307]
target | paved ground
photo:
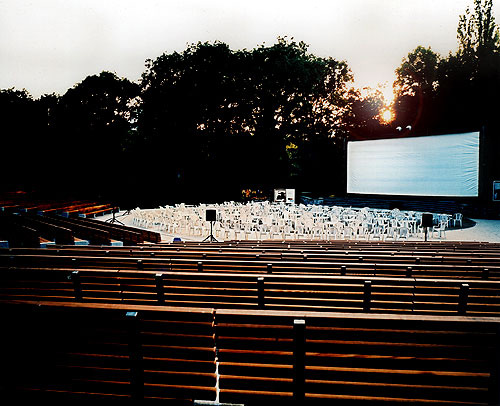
[474, 230]
[483, 230]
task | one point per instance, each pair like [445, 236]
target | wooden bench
[69, 352]
[251, 291]
[94, 235]
[259, 262]
[127, 235]
[350, 258]
[47, 229]
[91, 210]
[99, 351]
[61, 207]
[17, 234]
[356, 359]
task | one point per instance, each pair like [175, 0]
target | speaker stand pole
[425, 233]
[211, 237]
[113, 219]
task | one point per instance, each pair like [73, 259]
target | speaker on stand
[113, 219]
[211, 215]
[427, 221]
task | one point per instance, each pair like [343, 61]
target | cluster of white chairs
[265, 220]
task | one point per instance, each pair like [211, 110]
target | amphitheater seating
[64, 230]
[463, 261]
[304, 322]
[143, 353]
[323, 279]
[18, 235]
[43, 227]
[72, 352]
[253, 291]
[272, 356]
[74, 207]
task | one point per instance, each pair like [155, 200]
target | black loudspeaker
[427, 220]
[211, 215]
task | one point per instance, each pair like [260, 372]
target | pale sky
[50, 45]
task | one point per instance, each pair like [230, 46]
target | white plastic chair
[377, 232]
[348, 233]
[362, 231]
[403, 233]
[390, 232]
[457, 218]
[439, 229]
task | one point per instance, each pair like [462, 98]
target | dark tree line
[218, 120]
[201, 124]
[208, 122]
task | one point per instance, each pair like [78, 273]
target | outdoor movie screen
[438, 165]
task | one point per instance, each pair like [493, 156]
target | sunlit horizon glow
[49, 46]
[387, 116]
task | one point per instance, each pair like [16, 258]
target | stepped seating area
[310, 322]
[39, 226]
[20, 204]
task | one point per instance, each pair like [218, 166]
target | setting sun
[387, 116]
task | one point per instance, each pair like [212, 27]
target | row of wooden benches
[346, 265]
[69, 207]
[72, 351]
[64, 230]
[263, 327]
[254, 291]
[321, 244]
[368, 256]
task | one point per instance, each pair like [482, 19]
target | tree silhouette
[415, 89]
[229, 119]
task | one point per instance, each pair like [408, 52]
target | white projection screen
[438, 165]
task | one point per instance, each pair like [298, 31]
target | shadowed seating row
[255, 291]
[64, 230]
[55, 351]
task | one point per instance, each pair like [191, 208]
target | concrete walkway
[483, 230]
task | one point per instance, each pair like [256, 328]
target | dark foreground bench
[73, 352]
[54, 351]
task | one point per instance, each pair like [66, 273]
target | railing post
[367, 293]
[463, 298]
[409, 271]
[135, 357]
[486, 273]
[260, 292]
[343, 270]
[269, 268]
[200, 266]
[299, 355]
[77, 285]
[159, 288]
